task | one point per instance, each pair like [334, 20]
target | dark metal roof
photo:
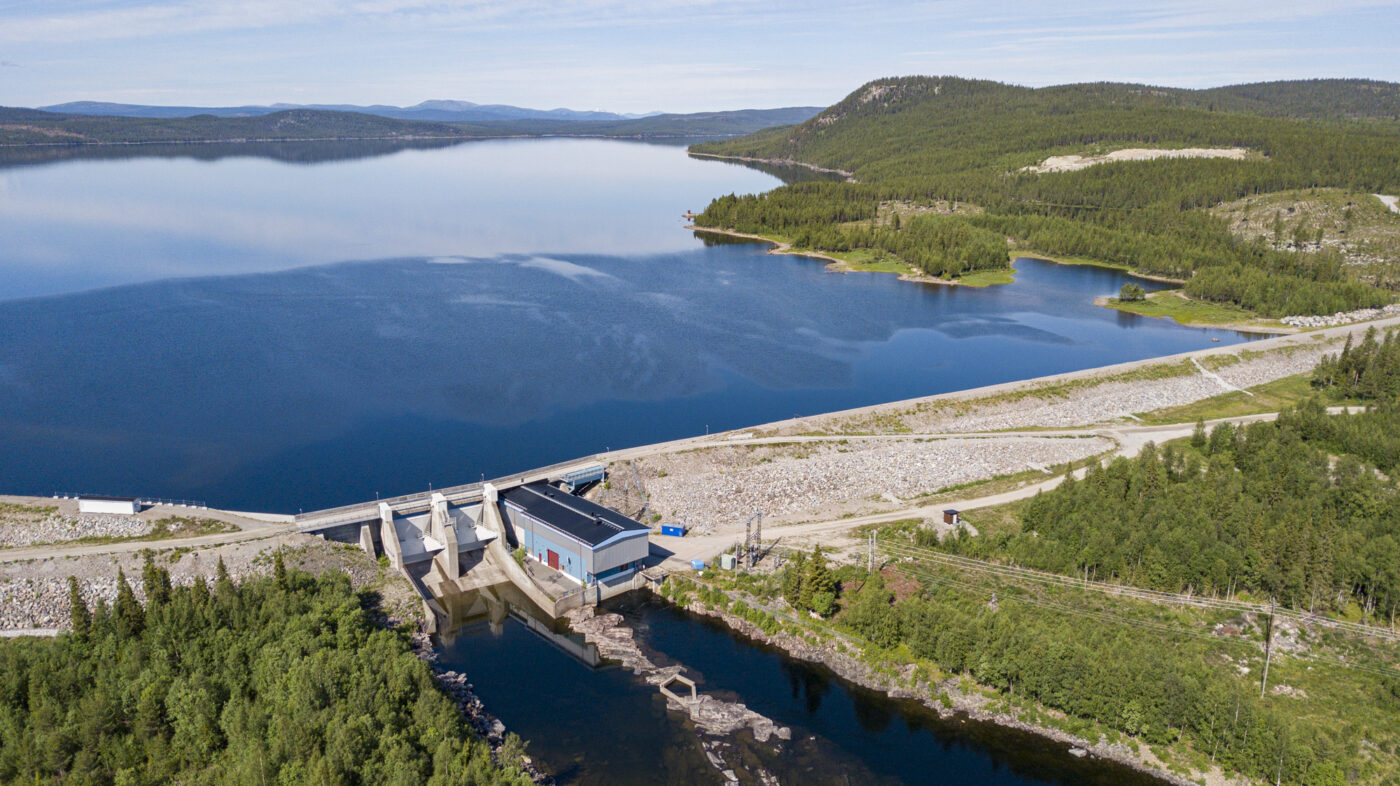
[105, 498]
[575, 516]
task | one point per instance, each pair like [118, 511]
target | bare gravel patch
[29, 526]
[1074, 163]
[719, 487]
[34, 594]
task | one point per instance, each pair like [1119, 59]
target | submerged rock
[711, 716]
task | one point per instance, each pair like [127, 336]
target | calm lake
[303, 326]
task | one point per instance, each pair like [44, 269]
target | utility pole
[757, 538]
[1268, 649]
[753, 538]
[872, 553]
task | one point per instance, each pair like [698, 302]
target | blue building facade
[575, 536]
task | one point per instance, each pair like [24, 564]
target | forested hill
[929, 141]
[33, 126]
[940, 125]
[1319, 99]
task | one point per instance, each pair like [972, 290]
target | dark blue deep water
[177, 327]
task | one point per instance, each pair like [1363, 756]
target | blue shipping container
[675, 530]
[697, 564]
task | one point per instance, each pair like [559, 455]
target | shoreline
[473, 710]
[833, 265]
[284, 140]
[1029, 253]
[850, 176]
[848, 668]
[1106, 301]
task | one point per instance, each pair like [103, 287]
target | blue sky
[637, 56]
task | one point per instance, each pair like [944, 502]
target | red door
[553, 560]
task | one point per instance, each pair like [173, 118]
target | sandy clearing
[1392, 202]
[1072, 163]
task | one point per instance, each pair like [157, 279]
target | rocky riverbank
[907, 685]
[478, 718]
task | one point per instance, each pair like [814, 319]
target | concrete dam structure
[563, 552]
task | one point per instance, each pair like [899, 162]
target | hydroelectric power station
[533, 530]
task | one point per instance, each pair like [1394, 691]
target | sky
[659, 55]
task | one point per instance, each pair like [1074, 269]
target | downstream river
[302, 326]
[595, 724]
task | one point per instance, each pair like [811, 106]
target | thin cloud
[154, 20]
[676, 55]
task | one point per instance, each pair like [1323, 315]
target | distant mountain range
[89, 123]
[433, 111]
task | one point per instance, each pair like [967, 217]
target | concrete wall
[350, 532]
[120, 507]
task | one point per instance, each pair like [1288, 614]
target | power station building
[573, 535]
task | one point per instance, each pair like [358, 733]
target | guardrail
[363, 511]
[173, 503]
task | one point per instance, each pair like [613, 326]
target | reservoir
[300, 326]
[593, 723]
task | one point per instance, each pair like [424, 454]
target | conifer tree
[129, 616]
[77, 609]
[155, 581]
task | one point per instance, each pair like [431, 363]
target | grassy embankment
[1269, 397]
[1173, 304]
[168, 528]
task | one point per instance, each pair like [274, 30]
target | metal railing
[362, 511]
[172, 503]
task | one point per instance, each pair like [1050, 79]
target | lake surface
[593, 723]
[308, 326]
